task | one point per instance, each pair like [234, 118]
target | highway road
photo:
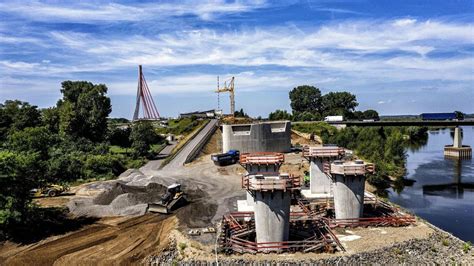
[180, 158]
[467, 122]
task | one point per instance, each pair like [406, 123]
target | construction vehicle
[227, 158]
[171, 200]
[49, 190]
[229, 89]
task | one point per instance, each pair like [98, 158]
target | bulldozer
[48, 190]
[171, 200]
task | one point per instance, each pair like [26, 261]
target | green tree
[338, 103]
[120, 136]
[305, 99]
[84, 109]
[279, 115]
[371, 114]
[50, 118]
[306, 116]
[32, 139]
[240, 113]
[19, 173]
[459, 115]
[17, 115]
[143, 135]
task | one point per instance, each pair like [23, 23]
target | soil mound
[120, 198]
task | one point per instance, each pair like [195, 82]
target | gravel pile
[440, 248]
[129, 195]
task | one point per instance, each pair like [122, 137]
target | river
[443, 192]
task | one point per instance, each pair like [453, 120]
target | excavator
[171, 200]
[51, 190]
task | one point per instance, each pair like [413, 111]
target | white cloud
[358, 48]
[351, 53]
[83, 12]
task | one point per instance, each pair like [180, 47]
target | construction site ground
[135, 239]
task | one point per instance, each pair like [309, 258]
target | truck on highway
[227, 158]
[334, 118]
[438, 116]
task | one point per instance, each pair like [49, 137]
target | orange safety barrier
[283, 183]
[262, 158]
[322, 152]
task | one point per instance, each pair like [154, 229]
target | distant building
[201, 114]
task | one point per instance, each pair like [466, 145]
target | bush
[19, 173]
[142, 136]
[279, 115]
[120, 136]
[103, 166]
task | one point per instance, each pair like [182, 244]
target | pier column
[349, 187]
[319, 182]
[457, 138]
[457, 150]
[318, 156]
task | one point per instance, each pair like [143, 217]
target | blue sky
[398, 57]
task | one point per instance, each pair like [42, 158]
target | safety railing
[402, 220]
[262, 158]
[323, 152]
[348, 169]
[279, 182]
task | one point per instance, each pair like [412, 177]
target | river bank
[437, 247]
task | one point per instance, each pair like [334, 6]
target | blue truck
[438, 116]
[227, 158]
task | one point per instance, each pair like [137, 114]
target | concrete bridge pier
[349, 187]
[457, 150]
[320, 182]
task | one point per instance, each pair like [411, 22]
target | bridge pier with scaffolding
[318, 157]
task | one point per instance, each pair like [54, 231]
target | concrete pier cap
[349, 187]
[320, 180]
[257, 137]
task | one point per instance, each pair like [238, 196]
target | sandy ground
[354, 240]
[111, 241]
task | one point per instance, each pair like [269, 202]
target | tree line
[384, 146]
[308, 104]
[69, 142]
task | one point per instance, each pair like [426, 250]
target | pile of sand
[128, 195]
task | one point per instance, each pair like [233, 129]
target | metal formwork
[323, 152]
[259, 182]
[262, 158]
[348, 169]
[307, 235]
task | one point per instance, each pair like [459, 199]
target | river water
[443, 192]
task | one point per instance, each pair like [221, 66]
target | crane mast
[230, 89]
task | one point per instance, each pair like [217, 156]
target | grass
[119, 150]
[445, 242]
[178, 126]
[467, 246]
[157, 148]
[313, 127]
[182, 246]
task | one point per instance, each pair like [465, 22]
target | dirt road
[112, 241]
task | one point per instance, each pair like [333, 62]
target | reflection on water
[443, 189]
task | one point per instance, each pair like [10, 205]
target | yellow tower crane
[229, 89]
